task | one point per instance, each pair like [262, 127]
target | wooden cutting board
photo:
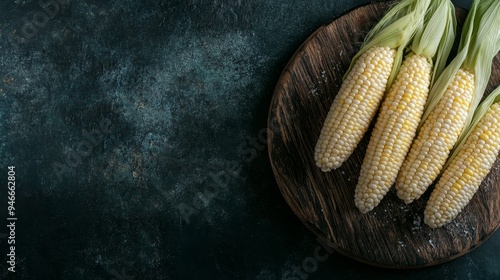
[392, 235]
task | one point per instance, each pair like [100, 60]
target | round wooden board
[392, 235]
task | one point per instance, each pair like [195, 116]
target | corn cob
[452, 101]
[372, 70]
[437, 137]
[464, 174]
[394, 131]
[403, 106]
[362, 91]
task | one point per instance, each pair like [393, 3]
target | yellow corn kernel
[354, 107]
[464, 174]
[436, 138]
[394, 131]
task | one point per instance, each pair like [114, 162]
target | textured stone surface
[137, 130]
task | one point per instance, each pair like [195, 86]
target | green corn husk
[479, 43]
[436, 38]
[485, 47]
[395, 30]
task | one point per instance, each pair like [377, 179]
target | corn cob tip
[366, 202]
[407, 197]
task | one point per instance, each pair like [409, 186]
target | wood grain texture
[392, 235]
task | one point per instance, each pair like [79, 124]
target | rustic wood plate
[392, 235]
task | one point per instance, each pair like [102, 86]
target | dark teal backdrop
[137, 132]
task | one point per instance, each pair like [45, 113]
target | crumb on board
[431, 243]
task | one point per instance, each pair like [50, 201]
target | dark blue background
[174, 95]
